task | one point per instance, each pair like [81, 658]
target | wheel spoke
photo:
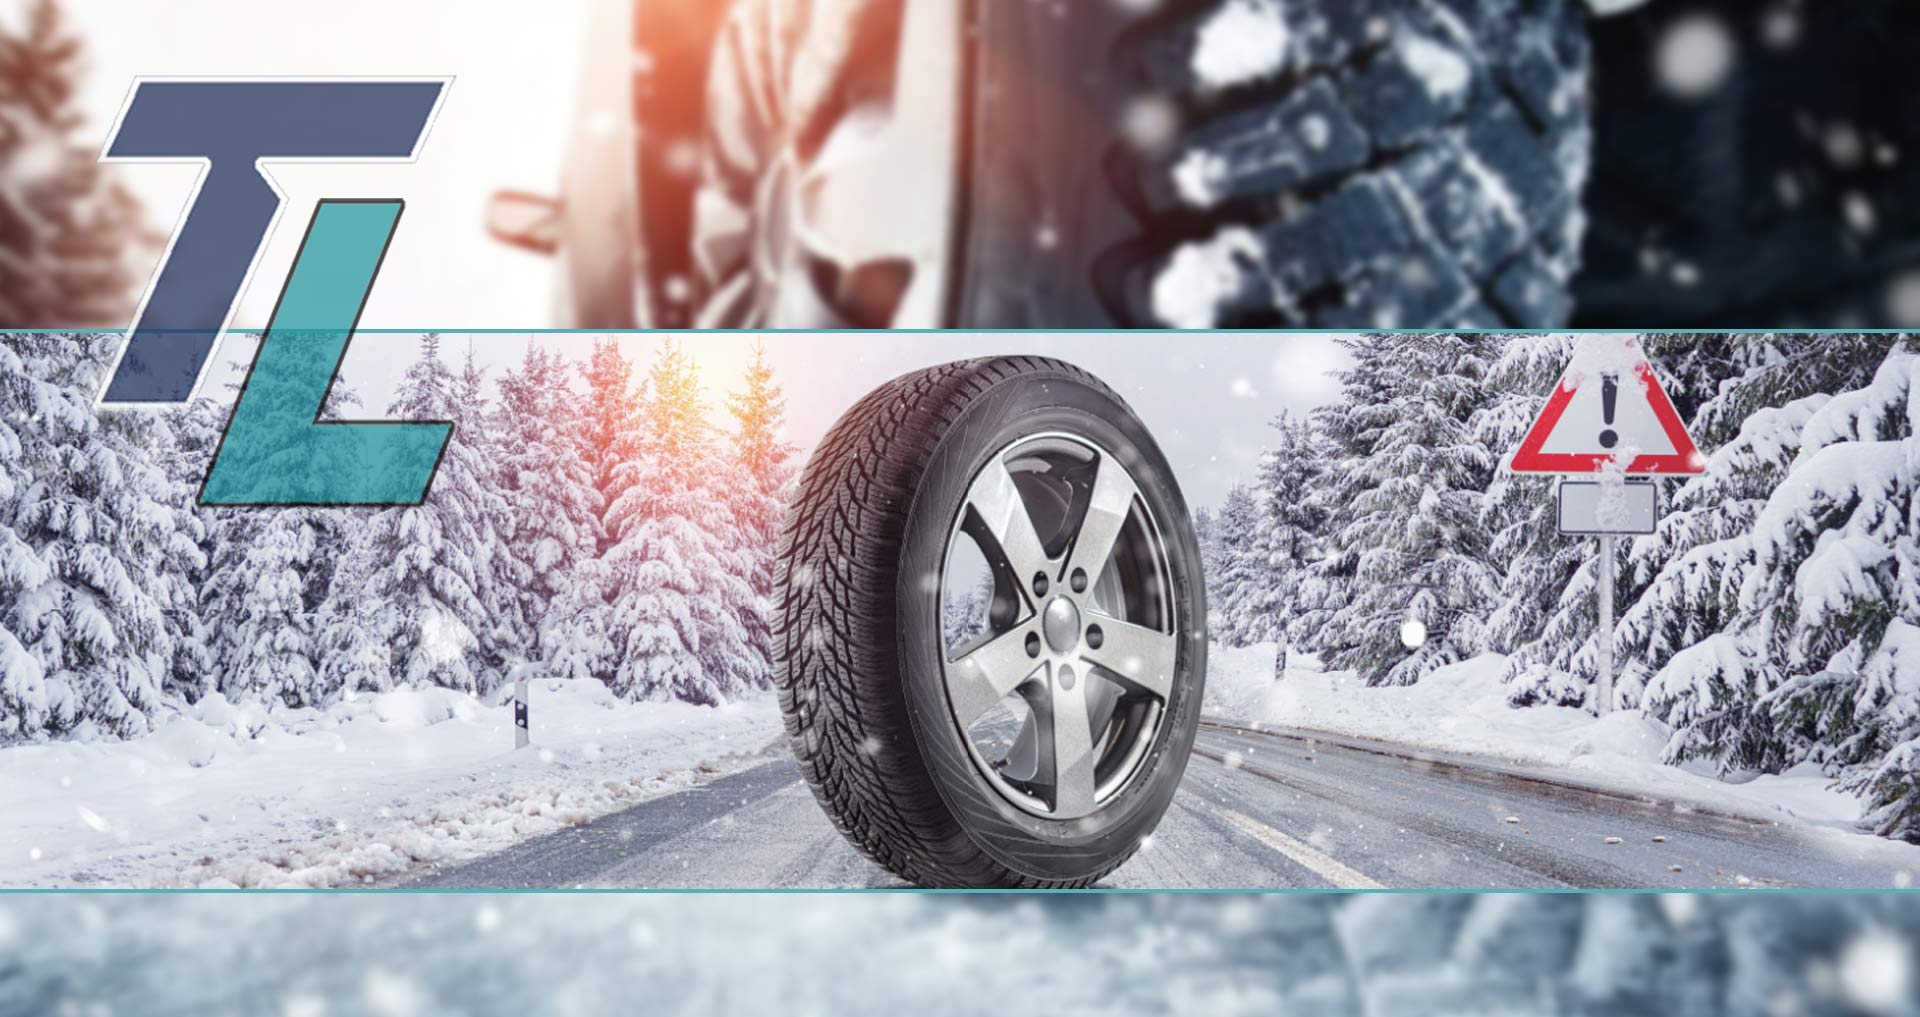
[883, 187]
[1107, 509]
[978, 681]
[1138, 656]
[1004, 512]
[1067, 749]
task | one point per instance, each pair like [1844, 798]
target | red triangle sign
[1609, 408]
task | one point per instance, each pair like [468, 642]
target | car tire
[882, 707]
[1396, 163]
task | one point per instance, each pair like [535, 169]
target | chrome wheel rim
[1059, 625]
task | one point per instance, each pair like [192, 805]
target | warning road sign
[1609, 408]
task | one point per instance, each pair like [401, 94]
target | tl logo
[276, 449]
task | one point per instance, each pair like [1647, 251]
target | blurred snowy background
[1393, 956]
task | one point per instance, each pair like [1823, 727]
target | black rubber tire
[1396, 218]
[1409, 209]
[858, 632]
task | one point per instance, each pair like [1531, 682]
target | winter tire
[988, 650]
[1324, 163]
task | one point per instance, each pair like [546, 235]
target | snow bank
[1463, 709]
[365, 790]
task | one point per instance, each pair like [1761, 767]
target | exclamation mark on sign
[1609, 400]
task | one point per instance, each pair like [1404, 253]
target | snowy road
[1258, 810]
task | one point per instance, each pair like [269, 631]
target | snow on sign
[1608, 409]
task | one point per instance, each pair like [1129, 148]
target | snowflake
[443, 637]
[391, 995]
[302, 1004]
[1694, 56]
[1150, 123]
[1876, 972]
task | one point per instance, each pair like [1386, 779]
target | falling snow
[1903, 299]
[1694, 56]
[1876, 973]
[390, 995]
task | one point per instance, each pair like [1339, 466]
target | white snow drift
[365, 790]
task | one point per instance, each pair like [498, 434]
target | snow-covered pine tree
[103, 561]
[1534, 561]
[509, 634]
[352, 631]
[27, 403]
[1349, 430]
[1292, 528]
[764, 469]
[1832, 599]
[1407, 540]
[429, 567]
[1206, 533]
[74, 248]
[610, 423]
[964, 613]
[190, 434]
[1684, 581]
[1238, 576]
[679, 611]
[271, 573]
[552, 517]
[70, 244]
[261, 629]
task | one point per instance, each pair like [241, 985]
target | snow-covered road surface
[1257, 811]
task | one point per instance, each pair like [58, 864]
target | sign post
[1608, 428]
[1605, 706]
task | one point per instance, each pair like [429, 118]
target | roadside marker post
[522, 733]
[1609, 429]
[521, 737]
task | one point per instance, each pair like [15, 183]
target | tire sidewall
[1031, 845]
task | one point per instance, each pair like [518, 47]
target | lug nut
[1033, 644]
[1079, 580]
[1095, 637]
[1040, 584]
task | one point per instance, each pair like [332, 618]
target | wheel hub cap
[1062, 625]
[1061, 691]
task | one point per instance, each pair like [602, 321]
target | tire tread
[834, 632]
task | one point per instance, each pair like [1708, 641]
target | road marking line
[1333, 872]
